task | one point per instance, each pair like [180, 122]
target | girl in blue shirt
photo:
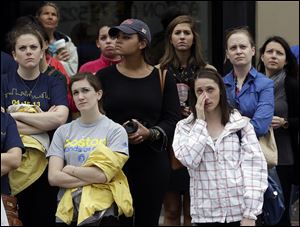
[249, 91]
[27, 85]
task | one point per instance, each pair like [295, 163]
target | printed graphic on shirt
[81, 148]
[43, 92]
[15, 92]
[16, 97]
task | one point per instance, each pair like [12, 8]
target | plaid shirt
[228, 178]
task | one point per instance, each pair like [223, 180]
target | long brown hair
[170, 56]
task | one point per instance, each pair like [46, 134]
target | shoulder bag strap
[162, 77]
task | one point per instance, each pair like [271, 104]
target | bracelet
[154, 134]
[151, 135]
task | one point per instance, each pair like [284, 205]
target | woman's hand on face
[140, 135]
[200, 106]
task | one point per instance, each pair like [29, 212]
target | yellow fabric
[97, 197]
[33, 165]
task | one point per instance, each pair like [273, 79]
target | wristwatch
[285, 124]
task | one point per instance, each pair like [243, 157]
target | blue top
[7, 63]
[45, 91]
[255, 100]
[295, 51]
[9, 139]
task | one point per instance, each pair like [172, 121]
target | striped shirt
[228, 177]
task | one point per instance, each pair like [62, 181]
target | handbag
[11, 209]
[273, 207]
[269, 148]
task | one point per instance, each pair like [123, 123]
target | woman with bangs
[74, 144]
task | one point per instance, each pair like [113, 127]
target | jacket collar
[107, 61]
[230, 78]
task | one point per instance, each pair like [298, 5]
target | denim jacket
[255, 100]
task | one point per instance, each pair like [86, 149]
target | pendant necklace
[27, 84]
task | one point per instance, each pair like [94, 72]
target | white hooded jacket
[228, 178]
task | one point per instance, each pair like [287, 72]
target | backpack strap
[239, 134]
[162, 77]
[51, 71]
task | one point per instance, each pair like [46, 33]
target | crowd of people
[112, 142]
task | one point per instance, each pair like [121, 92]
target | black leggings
[37, 203]
[285, 174]
[148, 182]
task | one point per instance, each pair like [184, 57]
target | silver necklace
[26, 86]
